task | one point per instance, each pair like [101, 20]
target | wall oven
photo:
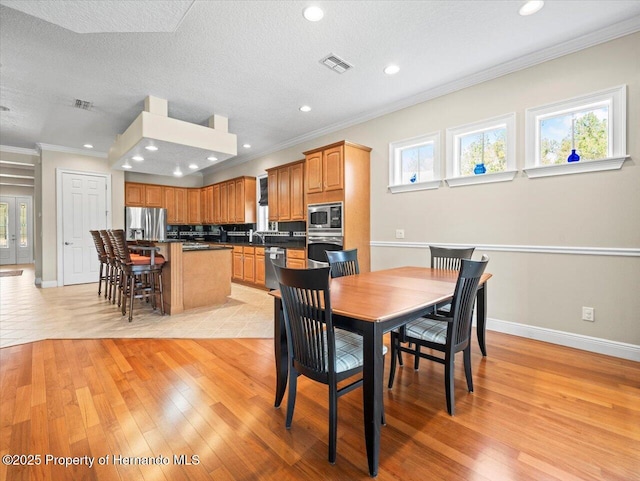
[324, 232]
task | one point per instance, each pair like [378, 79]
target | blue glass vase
[479, 169]
[573, 157]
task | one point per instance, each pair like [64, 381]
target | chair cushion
[349, 353]
[139, 260]
[428, 330]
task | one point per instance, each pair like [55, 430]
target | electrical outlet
[399, 233]
[588, 314]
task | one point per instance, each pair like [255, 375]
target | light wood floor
[539, 412]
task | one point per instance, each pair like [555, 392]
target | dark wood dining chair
[343, 263]
[316, 349]
[446, 334]
[448, 258]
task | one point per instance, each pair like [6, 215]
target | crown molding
[621, 29]
[18, 150]
[70, 150]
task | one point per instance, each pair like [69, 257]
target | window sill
[432, 184]
[482, 178]
[611, 163]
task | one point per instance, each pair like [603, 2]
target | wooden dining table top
[381, 295]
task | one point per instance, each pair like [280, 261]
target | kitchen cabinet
[325, 169]
[143, 195]
[194, 215]
[286, 192]
[248, 264]
[260, 267]
[296, 258]
[217, 212]
[175, 201]
[224, 202]
[340, 172]
[206, 194]
[153, 196]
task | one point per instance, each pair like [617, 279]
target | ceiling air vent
[335, 63]
[82, 104]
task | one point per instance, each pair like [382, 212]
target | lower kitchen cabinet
[260, 266]
[249, 265]
[296, 258]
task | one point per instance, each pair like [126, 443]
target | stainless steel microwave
[323, 217]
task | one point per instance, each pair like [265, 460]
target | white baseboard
[578, 341]
[45, 284]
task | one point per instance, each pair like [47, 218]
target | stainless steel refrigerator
[145, 223]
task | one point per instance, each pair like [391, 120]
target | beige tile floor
[28, 313]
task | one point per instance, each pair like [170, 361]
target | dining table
[372, 304]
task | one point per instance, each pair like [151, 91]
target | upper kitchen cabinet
[245, 201]
[286, 192]
[325, 168]
[340, 172]
[175, 201]
[207, 204]
[234, 201]
[194, 211]
[143, 195]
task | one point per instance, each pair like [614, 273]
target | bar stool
[104, 261]
[113, 268]
[140, 276]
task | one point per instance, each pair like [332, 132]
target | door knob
[68, 243]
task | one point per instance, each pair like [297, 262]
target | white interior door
[84, 200]
[16, 230]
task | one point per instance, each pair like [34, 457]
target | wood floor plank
[538, 412]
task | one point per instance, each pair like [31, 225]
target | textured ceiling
[257, 62]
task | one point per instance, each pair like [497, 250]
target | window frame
[395, 174]
[453, 178]
[616, 97]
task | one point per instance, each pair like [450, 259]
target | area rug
[10, 273]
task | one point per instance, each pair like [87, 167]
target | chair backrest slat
[343, 263]
[448, 257]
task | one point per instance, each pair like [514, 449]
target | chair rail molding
[592, 251]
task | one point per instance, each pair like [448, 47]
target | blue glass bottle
[573, 157]
[479, 168]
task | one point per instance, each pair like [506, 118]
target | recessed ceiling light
[246, 146]
[531, 7]
[313, 14]
[152, 148]
[177, 172]
[212, 158]
[305, 108]
[126, 165]
[391, 69]
[138, 158]
[193, 166]
[88, 146]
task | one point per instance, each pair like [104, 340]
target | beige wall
[584, 210]
[46, 261]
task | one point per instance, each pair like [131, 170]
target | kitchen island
[194, 276]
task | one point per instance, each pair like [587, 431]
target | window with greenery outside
[417, 163]
[586, 131]
[486, 147]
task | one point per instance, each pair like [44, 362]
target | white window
[482, 152]
[414, 164]
[593, 125]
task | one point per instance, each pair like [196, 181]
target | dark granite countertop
[296, 244]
